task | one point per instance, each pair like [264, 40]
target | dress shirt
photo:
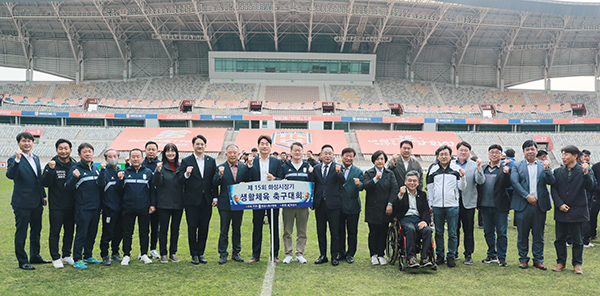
[234, 169]
[264, 168]
[31, 161]
[532, 168]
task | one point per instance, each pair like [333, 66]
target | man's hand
[250, 161]
[422, 224]
[461, 171]
[507, 161]
[478, 162]
[45, 202]
[338, 168]
[127, 161]
[215, 203]
[378, 175]
[546, 165]
[506, 169]
[532, 200]
[311, 169]
[76, 173]
[221, 171]
[270, 177]
[430, 210]
[188, 170]
[357, 181]
[52, 164]
[103, 165]
[121, 175]
[402, 191]
[564, 208]
[388, 210]
[394, 157]
[586, 168]
[159, 166]
[18, 154]
[151, 210]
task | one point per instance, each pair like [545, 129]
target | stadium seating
[353, 94]
[230, 92]
[307, 94]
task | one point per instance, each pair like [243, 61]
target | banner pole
[272, 237]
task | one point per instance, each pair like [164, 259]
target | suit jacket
[196, 188]
[571, 191]
[400, 171]
[501, 197]
[350, 196]
[329, 188]
[243, 175]
[379, 195]
[401, 206]
[28, 191]
[275, 168]
[519, 178]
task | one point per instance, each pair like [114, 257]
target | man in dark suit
[405, 163]
[230, 172]
[531, 201]
[327, 203]
[28, 199]
[350, 204]
[196, 173]
[264, 168]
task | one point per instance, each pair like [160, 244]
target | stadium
[360, 74]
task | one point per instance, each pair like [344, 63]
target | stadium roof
[532, 37]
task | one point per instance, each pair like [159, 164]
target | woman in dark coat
[382, 189]
[169, 201]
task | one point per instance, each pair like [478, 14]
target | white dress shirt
[31, 161]
[264, 168]
[532, 168]
[200, 163]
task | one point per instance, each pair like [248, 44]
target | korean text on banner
[271, 195]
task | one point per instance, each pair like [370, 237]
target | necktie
[325, 172]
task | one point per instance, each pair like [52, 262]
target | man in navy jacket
[151, 161]
[112, 224]
[28, 197]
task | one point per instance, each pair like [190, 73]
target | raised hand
[250, 161]
[270, 177]
[18, 154]
[546, 164]
[338, 168]
[311, 169]
[461, 172]
[121, 175]
[188, 170]
[159, 166]
[103, 165]
[402, 191]
[478, 162]
[394, 157]
[221, 171]
[76, 173]
[506, 169]
[378, 175]
[52, 164]
[586, 168]
[357, 181]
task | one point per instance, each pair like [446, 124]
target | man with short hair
[467, 198]
[229, 173]
[493, 203]
[310, 158]
[84, 180]
[295, 170]
[571, 209]
[150, 162]
[585, 157]
[139, 201]
[444, 180]
[112, 224]
[60, 203]
[283, 157]
[196, 173]
[350, 198]
[28, 199]
[265, 168]
[531, 200]
[405, 163]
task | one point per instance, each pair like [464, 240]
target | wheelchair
[396, 248]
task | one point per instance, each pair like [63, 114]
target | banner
[271, 195]
[135, 137]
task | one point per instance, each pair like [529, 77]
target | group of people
[156, 192]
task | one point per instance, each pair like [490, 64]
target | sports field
[359, 278]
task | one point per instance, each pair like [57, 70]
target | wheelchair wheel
[400, 266]
[392, 243]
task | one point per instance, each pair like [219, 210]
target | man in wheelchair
[414, 216]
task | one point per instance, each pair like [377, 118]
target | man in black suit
[28, 199]
[264, 168]
[229, 173]
[196, 173]
[327, 203]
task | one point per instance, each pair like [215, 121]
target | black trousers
[27, 219]
[198, 221]
[174, 218]
[154, 229]
[258, 217]
[235, 219]
[575, 229]
[129, 217]
[61, 219]
[377, 239]
[348, 222]
[594, 211]
[324, 216]
[87, 228]
[112, 232]
[466, 219]
[410, 230]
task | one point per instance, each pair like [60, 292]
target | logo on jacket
[144, 176]
[285, 139]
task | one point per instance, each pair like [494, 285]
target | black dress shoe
[237, 257]
[26, 266]
[39, 260]
[195, 260]
[335, 262]
[202, 259]
[341, 257]
[350, 259]
[322, 259]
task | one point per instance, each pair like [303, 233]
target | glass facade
[291, 66]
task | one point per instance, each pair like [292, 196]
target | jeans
[440, 217]
[494, 229]
[562, 228]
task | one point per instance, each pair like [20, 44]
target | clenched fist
[270, 177]
[311, 169]
[378, 175]
[52, 164]
[188, 170]
[159, 166]
[338, 168]
[402, 191]
[506, 169]
[357, 181]
[121, 175]
[586, 168]
[461, 172]
[76, 173]
[546, 164]
[103, 165]
[394, 157]
[478, 162]
[18, 154]
[250, 161]
[221, 171]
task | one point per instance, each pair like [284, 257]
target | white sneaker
[154, 254]
[301, 259]
[145, 259]
[374, 260]
[139, 256]
[125, 260]
[68, 260]
[58, 263]
[588, 245]
[287, 260]
[382, 261]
